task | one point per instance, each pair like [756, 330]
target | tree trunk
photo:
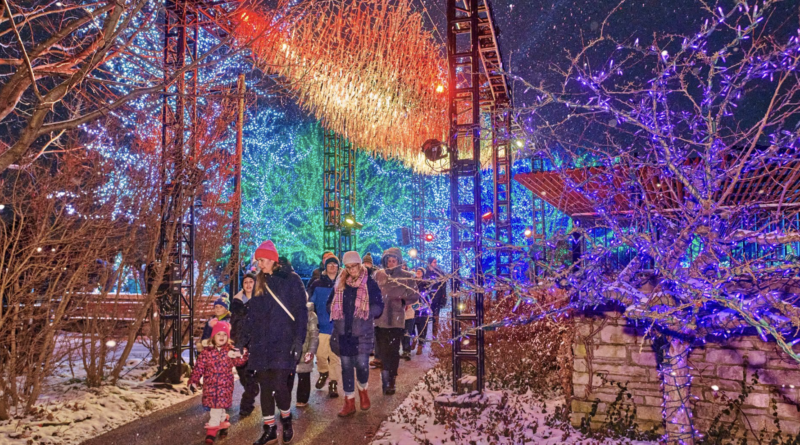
[676, 386]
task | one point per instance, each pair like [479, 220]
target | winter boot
[223, 427]
[376, 363]
[211, 433]
[390, 389]
[363, 397]
[288, 432]
[349, 407]
[323, 377]
[406, 355]
[332, 391]
[270, 435]
[385, 381]
[419, 348]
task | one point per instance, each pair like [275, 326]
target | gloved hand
[296, 352]
[234, 353]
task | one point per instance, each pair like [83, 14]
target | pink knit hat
[221, 326]
[267, 250]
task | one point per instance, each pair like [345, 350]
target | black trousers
[250, 385]
[387, 347]
[274, 390]
[303, 386]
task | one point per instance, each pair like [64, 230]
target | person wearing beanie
[367, 262]
[321, 269]
[239, 306]
[221, 313]
[214, 367]
[328, 363]
[399, 289]
[274, 332]
[354, 304]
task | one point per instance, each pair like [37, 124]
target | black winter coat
[353, 336]
[238, 317]
[269, 334]
[437, 288]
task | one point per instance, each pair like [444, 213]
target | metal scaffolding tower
[338, 192]
[179, 179]
[477, 85]
[463, 56]
[501, 160]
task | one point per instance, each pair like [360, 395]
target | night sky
[535, 34]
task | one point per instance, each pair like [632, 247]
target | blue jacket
[318, 293]
[269, 334]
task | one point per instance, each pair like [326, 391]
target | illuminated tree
[683, 155]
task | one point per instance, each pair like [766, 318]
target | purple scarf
[362, 296]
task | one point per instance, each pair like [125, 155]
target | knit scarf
[362, 296]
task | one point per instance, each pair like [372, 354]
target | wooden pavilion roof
[577, 192]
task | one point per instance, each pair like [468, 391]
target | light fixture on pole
[350, 222]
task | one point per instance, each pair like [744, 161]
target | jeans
[303, 386]
[387, 348]
[274, 390]
[408, 335]
[359, 364]
[250, 385]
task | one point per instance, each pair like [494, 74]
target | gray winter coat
[399, 288]
[312, 340]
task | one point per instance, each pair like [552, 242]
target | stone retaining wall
[607, 346]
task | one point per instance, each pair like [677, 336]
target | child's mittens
[212, 322]
[193, 388]
[234, 353]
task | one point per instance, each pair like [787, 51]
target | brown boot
[419, 349]
[349, 407]
[364, 399]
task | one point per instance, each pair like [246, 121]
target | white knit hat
[351, 257]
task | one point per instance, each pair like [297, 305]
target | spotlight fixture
[487, 216]
[350, 221]
[412, 252]
[434, 149]
[528, 233]
[429, 237]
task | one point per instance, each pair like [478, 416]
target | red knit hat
[267, 250]
[221, 326]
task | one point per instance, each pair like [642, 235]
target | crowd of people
[274, 328]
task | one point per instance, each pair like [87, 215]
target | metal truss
[463, 56]
[179, 178]
[501, 160]
[539, 222]
[338, 192]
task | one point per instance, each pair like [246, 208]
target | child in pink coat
[215, 365]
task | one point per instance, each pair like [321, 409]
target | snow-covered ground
[68, 412]
[523, 419]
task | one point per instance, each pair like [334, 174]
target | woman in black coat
[273, 333]
[354, 304]
[239, 305]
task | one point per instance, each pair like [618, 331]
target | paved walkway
[182, 424]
